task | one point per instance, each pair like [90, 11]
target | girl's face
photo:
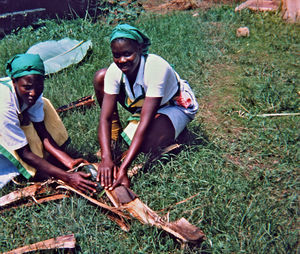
[29, 88]
[127, 55]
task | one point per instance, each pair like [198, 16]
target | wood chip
[61, 242]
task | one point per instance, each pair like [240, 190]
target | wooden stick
[61, 242]
[51, 198]
[180, 202]
[279, 114]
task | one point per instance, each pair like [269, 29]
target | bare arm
[106, 166]
[51, 146]
[150, 107]
[104, 129]
[75, 179]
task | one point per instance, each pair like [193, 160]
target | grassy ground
[244, 167]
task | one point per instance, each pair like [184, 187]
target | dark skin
[28, 89]
[155, 130]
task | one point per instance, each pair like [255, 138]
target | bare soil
[163, 6]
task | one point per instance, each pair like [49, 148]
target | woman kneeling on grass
[147, 86]
[30, 126]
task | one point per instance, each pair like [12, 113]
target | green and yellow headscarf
[25, 64]
[130, 32]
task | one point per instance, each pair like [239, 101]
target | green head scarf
[25, 64]
[130, 32]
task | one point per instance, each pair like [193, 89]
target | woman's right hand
[106, 173]
[79, 181]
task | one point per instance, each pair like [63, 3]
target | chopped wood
[124, 199]
[181, 228]
[19, 194]
[61, 242]
[86, 101]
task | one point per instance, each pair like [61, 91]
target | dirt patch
[163, 6]
[219, 111]
[217, 107]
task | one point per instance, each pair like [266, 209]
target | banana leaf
[58, 55]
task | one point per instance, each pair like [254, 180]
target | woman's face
[127, 55]
[29, 88]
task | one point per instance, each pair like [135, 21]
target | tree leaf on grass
[58, 55]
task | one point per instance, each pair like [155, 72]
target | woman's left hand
[122, 179]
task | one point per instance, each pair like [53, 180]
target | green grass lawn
[244, 167]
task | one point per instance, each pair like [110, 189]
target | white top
[12, 136]
[156, 76]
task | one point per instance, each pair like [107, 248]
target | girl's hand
[122, 179]
[78, 181]
[106, 172]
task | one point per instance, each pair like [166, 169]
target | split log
[181, 228]
[61, 242]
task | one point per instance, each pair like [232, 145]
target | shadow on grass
[195, 138]
[188, 247]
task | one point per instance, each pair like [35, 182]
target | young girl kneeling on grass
[30, 128]
[146, 85]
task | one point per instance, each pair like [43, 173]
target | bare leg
[161, 133]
